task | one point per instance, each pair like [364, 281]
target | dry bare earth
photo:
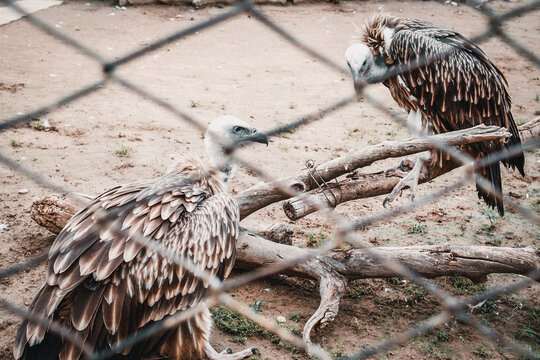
[242, 68]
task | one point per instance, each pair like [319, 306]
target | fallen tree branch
[361, 186]
[335, 268]
[264, 194]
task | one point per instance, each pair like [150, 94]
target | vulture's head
[226, 133]
[364, 65]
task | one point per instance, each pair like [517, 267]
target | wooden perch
[362, 186]
[264, 194]
[334, 268]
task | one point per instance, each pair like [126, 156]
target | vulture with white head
[450, 85]
[104, 286]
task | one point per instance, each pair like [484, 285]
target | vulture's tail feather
[516, 161]
[493, 174]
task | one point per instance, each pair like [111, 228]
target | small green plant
[490, 309]
[335, 155]
[123, 151]
[432, 350]
[465, 285]
[495, 241]
[15, 143]
[316, 239]
[491, 215]
[194, 103]
[415, 292]
[239, 340]
[337, 353]
[537, 97]
[521, 121]
[292, 105]
[294, 316]
[257, 306]
[220, 5]
[38, 126]
[391, 134]
[416, 228]
[482, 351]
[535, 204]
[441, 336]
[233, 323]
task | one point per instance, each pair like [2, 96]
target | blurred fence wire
[452, 306]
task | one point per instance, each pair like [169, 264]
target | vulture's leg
[212, 354]
[411, 179]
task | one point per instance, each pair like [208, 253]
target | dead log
[254, 251]
[361, 186]
[335, 268]
[264, 194]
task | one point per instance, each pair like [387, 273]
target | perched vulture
[104, 286]
[459, 88]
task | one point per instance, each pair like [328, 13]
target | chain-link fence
[452, 306]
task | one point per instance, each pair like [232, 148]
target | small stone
[23, 191]
[281, 319]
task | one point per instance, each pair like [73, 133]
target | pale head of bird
[365, 67]
[226, 133]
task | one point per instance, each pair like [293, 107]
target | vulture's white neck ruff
[218, 158]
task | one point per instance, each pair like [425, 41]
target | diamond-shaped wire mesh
[113, 74]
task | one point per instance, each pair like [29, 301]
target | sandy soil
[242, 68]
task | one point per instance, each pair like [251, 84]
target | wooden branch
[336, 267]
[474, 262]
[264, 194]
[430, 261]
[363, 186]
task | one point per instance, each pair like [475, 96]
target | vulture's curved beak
[258, 136]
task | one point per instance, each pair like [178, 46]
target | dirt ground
[240, 67]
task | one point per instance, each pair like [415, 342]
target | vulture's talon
[402, 166]
[225, 351]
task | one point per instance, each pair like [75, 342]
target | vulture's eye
[237, 129]
[364, 65]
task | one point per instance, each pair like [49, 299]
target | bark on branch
[362, 186]
[335, 268]
[264, 194]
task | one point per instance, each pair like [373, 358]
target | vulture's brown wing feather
[126, 285]
[460, 89]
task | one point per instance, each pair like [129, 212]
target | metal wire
[344, 228]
